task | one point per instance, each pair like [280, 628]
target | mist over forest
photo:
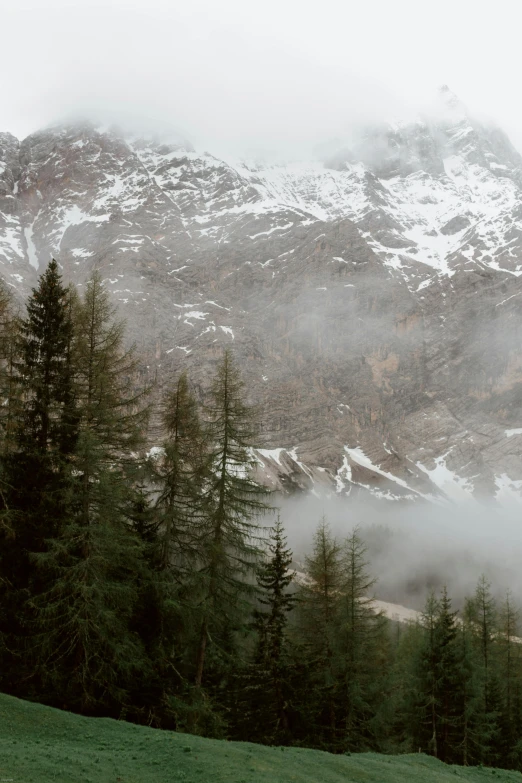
[261, 378]
[415, 549]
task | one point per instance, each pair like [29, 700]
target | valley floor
[43, 745]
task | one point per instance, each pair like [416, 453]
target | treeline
[147, 588]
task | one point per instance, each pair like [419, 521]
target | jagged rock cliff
[372, 298]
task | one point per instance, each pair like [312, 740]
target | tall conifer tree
[360, 645]
[91, 654]
[229, 536]
[319, 595]
[37, 464]
[270, 686]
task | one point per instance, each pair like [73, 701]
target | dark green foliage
[88, 652]
[318, 613]
[142, 586]
[267, 680]
[180, 470]
[360, 646]
[229, 535]
[36, 463]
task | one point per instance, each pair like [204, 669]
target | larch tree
[229, 537]
[510, 676]
[360, 642]
[319, 593]
[180, 470]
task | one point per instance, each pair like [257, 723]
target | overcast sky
[265, 74]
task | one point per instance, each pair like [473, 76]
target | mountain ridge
[372, 300]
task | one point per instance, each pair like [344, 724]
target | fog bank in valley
[412, 549]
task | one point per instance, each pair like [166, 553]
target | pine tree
[228, 543]
[483, 616]
[447, 682]
[93, 566]
[361, 643]
[475, 734]
[318, 605]
[169, 530]
[179, 472]
[485, 620]
[37, 463]
[510, 678]
[441, 706]
[9, 393]
[270, 672]
[45, 367]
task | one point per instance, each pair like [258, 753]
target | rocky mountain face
[372, 298]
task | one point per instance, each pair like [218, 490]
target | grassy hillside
[42, 745]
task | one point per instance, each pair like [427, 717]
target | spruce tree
[37, 464]
[45, 429]
[447, 683]
[270, 687]
[45, 368]
[441, 704]
[91, 655]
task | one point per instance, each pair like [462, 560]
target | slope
[371, 296]
[39, 744]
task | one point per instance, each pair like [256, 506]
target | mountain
[372, 296]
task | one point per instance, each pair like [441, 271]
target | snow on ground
[358, 456]
[454, 487]
[509, 490]
[74, 216]
[510, 433]
[396, 612]
[31, 249]
[272, 454]
[10, 242]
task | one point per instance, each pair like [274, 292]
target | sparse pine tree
[360, 646]
[229, 539]
[319, 593]
[510, 671]
[180, 471]
[484, 623]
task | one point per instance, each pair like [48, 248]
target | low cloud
[412, 549]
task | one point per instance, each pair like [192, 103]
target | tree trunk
[201, 653]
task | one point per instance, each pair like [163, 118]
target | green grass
[42, 745]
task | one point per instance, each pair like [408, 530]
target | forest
[156, 585]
